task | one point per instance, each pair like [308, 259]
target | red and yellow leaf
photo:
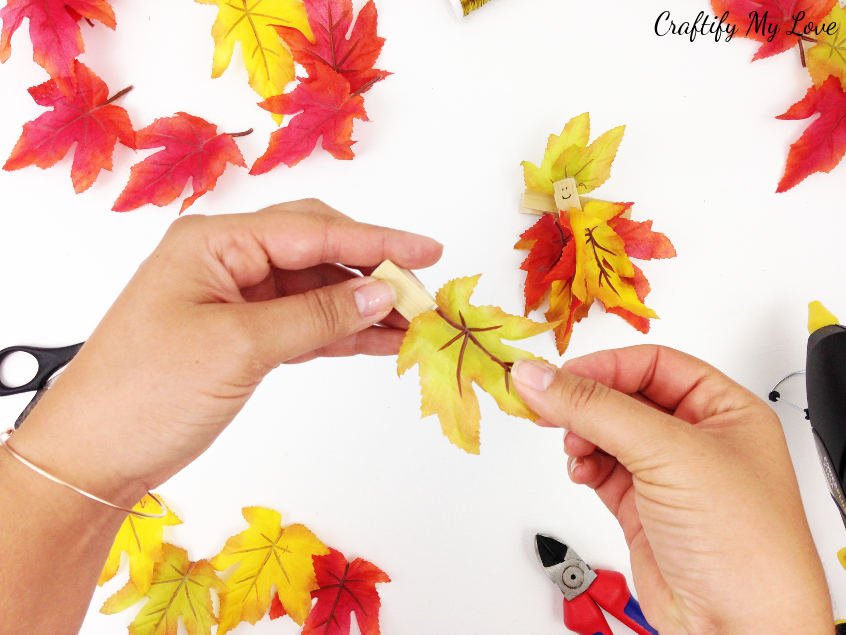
[457, 345]
[53, 29]
[590, 259]
[269, 558]
[823, 144]
[193, 149]
[180, 591]
[352, 56]
[345, 588]
[86, 118]
[323, 107]
[779, 16]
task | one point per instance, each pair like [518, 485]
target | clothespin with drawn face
[566, 196]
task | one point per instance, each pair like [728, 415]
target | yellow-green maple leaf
[268, 555]
[180, 589]
[828, 56]
[459, 344]
[603, 269]
[141, 539]
[250, 22]
[569, 155]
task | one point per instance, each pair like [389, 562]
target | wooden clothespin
[566, 196]
[412, 297]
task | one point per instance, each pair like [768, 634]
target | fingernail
[572, 463]
[535, 375]
[374, 298]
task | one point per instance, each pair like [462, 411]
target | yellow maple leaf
[141, 539]
[267, 555]
[459, 344]
[569, 155]
[603, 269]
[251, 22]
[180, 589]
[828, 56]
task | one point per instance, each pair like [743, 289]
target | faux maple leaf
[586, 257]
[180, 590]
[345, 588]
[459, 344]
[777, 15]
[87, 118]
[828, 55]
[251, 22]
[267, 555]
[323, 107]
[823, 144]
[568, 155]
[53, 29]
[193, 149]
[141, 539]
[352, 57]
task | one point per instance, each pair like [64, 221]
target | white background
[338, 445]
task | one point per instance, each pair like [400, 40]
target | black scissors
[50, 361]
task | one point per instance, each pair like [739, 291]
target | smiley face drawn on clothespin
[567, 194]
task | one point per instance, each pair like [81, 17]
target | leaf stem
[117, 95]
[240, 134]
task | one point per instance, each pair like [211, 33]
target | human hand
[220, 302]
[697, 472]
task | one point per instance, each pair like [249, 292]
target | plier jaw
[588, 591]
[564, 566]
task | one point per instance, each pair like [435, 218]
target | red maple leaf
[88, 118]
[323, 106]
[345, 588]
[352, 57]
[53, 29]
[550, 244]
[193, 149]
[823, 144]
[778, 13]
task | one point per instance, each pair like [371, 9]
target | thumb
[615, 422]
[285, 328]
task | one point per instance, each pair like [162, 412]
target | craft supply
[537, 203]
[825, 386]
[50, 361]
[567, 194]
[466, 7]
[588, 591]
[412, 297]
[825, 382]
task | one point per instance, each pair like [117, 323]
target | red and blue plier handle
[583, 614]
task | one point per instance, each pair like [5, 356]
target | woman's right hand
[697, 472]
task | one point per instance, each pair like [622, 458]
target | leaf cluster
[266, 568]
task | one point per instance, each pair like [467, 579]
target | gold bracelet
[4, 443]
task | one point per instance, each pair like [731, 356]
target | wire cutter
[586, 590]
[50, 362]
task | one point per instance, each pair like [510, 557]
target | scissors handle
[49, 361]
